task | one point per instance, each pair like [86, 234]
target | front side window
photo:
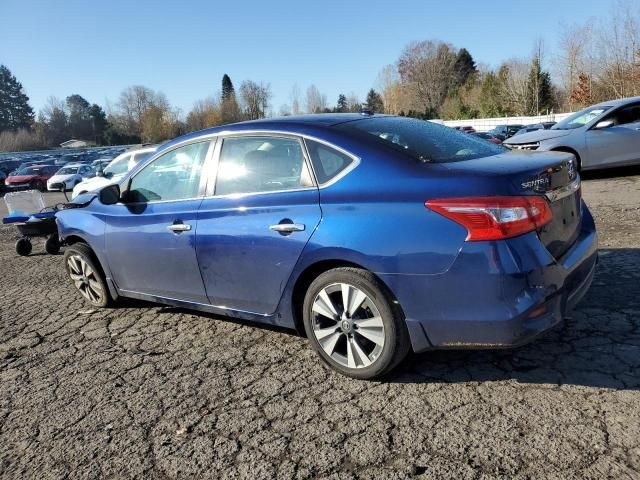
[626, 115]
[261, 164]
[327, 162]
[172, 176]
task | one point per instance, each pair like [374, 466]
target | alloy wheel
[347, 325]
[85, 279]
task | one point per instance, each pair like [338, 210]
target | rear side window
[261, 164]
[327, 162]
[425, 141]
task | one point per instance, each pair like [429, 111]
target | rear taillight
[494, 218]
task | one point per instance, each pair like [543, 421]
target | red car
[34, 177]
[488, 137]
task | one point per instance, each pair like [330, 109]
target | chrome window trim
[304, 136]
[210, 193]
[212, 176]
[355, 161]
[203, 176]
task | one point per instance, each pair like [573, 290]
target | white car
[69, 176]
[113, 172]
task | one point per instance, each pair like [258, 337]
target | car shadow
[124, 302]
[598, 346]
[610, 173]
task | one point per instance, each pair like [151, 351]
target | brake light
[494, 218]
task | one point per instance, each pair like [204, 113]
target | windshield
[125, 163]
[67, 171]
[29, 171]
[118, 166]
[425, 141]
[580, 118]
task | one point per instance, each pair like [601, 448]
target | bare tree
[255, 98]
[427, 71]
[294, 96]
[205, 113]
[514, 77]
[316, 101]
[353, 103]
[285, 110]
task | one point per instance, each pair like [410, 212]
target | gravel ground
[154, 392]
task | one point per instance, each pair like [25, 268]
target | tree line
[594, 61]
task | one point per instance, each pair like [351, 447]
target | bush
[22, 139]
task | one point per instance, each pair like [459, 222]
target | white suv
[113, 172]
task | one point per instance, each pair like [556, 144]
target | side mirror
[603, 124]
[110, 195]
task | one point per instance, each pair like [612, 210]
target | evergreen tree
[374, 102]
[342, 105]
[80, 125]
[227, 87]
[230, 110]
[15, 111]
[99, 123]
[464, 67]
[490, 100]
[539, 89]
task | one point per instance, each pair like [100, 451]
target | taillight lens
[494, 218]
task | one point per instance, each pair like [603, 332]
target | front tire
[86, 275]
[354, 324]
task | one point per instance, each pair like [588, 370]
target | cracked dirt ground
[155, 392]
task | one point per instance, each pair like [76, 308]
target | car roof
[617, 102]
[323, 119]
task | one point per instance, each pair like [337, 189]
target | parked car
[373, 234]
[466, 129]
[114, 171]
[505, 131]
[529, 128]
[3, 177]
[488, 137]
[99, 164]
[69, 176]
[601, 136]
[34, 177]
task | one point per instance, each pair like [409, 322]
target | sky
[182, 48]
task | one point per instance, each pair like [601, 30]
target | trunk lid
[550, 174]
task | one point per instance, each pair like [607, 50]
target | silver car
[601, 136]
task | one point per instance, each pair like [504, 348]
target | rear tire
[366, 339]
[85, 274]
[23, 247]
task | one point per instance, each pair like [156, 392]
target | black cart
[42, 224]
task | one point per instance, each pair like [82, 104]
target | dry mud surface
[143, 391]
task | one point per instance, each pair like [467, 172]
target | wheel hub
[346, 325]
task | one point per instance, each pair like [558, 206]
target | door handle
[179, 227]
[288, 227]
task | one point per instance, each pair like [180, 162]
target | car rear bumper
[497, 294]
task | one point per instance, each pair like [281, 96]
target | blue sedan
[374, 235]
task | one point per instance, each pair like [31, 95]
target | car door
[261, 210]
[618, 144]
[150, 236]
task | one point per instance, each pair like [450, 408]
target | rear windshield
[423, 140]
